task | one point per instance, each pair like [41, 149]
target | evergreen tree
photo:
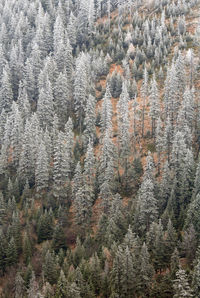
[62, 289]
[147, 206]
[50, 268]
[80, 88]
[45, 105]
[90, 120]
[11, 253]
[192, 214]
[83, 203]
[146, 271]
[144, 93]
[33, 290]
[6, 94]
[42, 168]
[59, 241]
[181, 285]
[89, 167]
[19, 286]
[106, 114]
[27, 248]
[154, 104]
[123, 126]
[196, 279]
[62, 97]
[174, 263]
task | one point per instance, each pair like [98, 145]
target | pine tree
[62, 289]
[80, 88]
[106, 113]
[117, 273]
[181, 285]
[19, 286]
[6, 94]
[123, 126]
[90, 120]
[196, 279]
[144, 93]
[107, 160]
[146, 271]
[71, 29]
[45, 226]
[33, 290]
[45, 106]
[3, 251]
[159, 141]
[11, 253]
[89, 167]
[59, 241]
[27, 248]
[168, 136]
[50, 268]
[61, 94]
[189, 244]
[154, 104]
[147, 206]
[128, 278]
[170, 240]
[83, 203]
[42, 169]
[174, 262]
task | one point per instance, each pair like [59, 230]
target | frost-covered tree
[83, 203]
[90, 120]
[106, 113]
[144, 93]
[154, 104]
[181, 285]
[42, 168]
[62, 99]
[89, 167]
[123, 127]
[147, 206]
[80, 88]
[6, 94]
[45, 106]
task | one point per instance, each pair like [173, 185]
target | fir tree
[181, 285]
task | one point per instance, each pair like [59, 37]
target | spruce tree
[181, 285]
[144, 93]
[42, 168]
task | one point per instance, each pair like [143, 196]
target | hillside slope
[99, 146]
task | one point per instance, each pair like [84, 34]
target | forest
[99, 148]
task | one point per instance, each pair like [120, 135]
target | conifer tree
[146, 271]
[123, 126]
[154, 104]
[42, 169]
[89, 167]
[50, 268]
[61, 94]
[19, 286]
[83, 203]
[33, 290]
[6, 94]
[45, 105]
[90, 120]
[80, 88]
[147, 206]
[181, 285]
[196, 279]
[11, 253]
[106, 114]
[144, 93]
